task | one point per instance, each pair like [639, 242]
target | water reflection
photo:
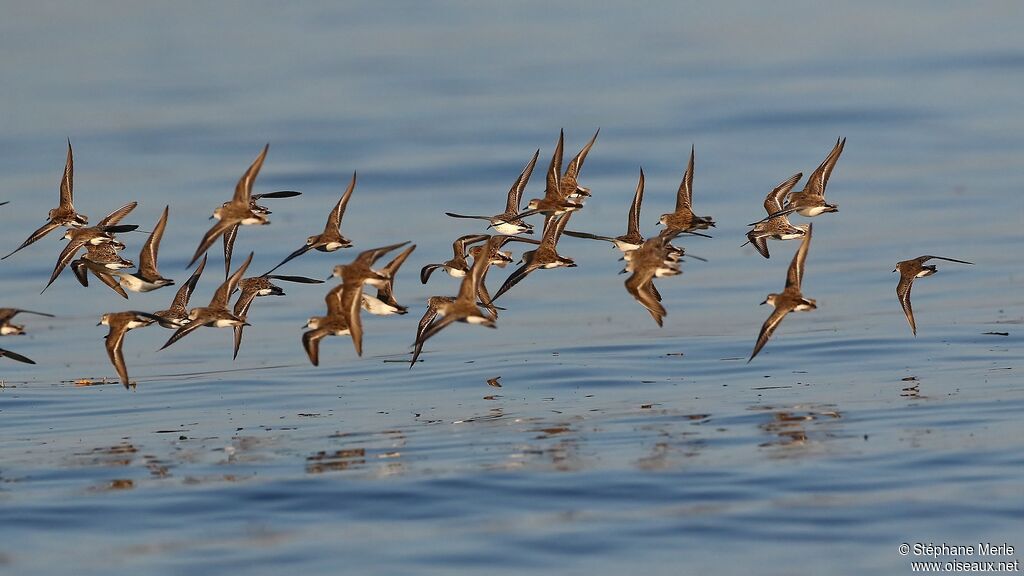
[798, 430]
[335, 461]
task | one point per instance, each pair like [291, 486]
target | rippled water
[612, 446]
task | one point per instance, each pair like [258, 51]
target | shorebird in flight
[683, 219]
[776, 225]
[331, 238]
[238, 211]
[909, 270]
[64, 214]
[507, 222]
[811, 200]
[791, 299]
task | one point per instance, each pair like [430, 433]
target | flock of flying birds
[646, 259]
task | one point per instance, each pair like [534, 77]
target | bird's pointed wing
[768, 328]
[229, 247]
[425, 321]
[334, 219]
[515, 193]
[67, 182]
[311, 342]
[795, 274]
[223, 293]
[69, 251]
[39, 233]
[819, 178]
[238, 339]
[277, 195]
[573, 169]
[773, 202]
[115, 339]
[351, 302]
[108, 279]
[554, 176]
[903, 293]
[243, 303]
[293, 255]
[210, 237]
[633, 220]
[924, 259]
[296, 279]
[638, 285]
[117, 215]
[185, 292]
[392, 267]
[147, 257]
[761, 243]
[243, 190]
[437, 326]
[684, 197]
[588, 236]
[369, 257]
[515, 277]
[333, 301]
[16, 356]
[182, 332]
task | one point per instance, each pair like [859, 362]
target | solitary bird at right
[915, 268]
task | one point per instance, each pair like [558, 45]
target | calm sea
[612, 446]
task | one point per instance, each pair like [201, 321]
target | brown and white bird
[507, 222]
[384, 303]
[8, 328]
[238, 211]
[335, 323]
[102, 233]
[147, 278]
[909, 270]
[632, 239]
[544, 256]
[64, 214]
[811, 200]
[555, 200]
[120, 323]
[354, 276]
[683, 219]
[791, 299]
[776, 225]
[177, 315]
[331, 238]
[251, 288]
[462, 308]
[458, 266]
[216, 314]
[653, 259]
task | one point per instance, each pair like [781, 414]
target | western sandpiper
[683, 219]
[791, 299]
[331, 238]
[909, 270]
[811, 200]
[147, 277]
[7, 328]
[507, 222]
[120, 323]
[216, 314]
[776, 225]
[64, 214]
[237, 211]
